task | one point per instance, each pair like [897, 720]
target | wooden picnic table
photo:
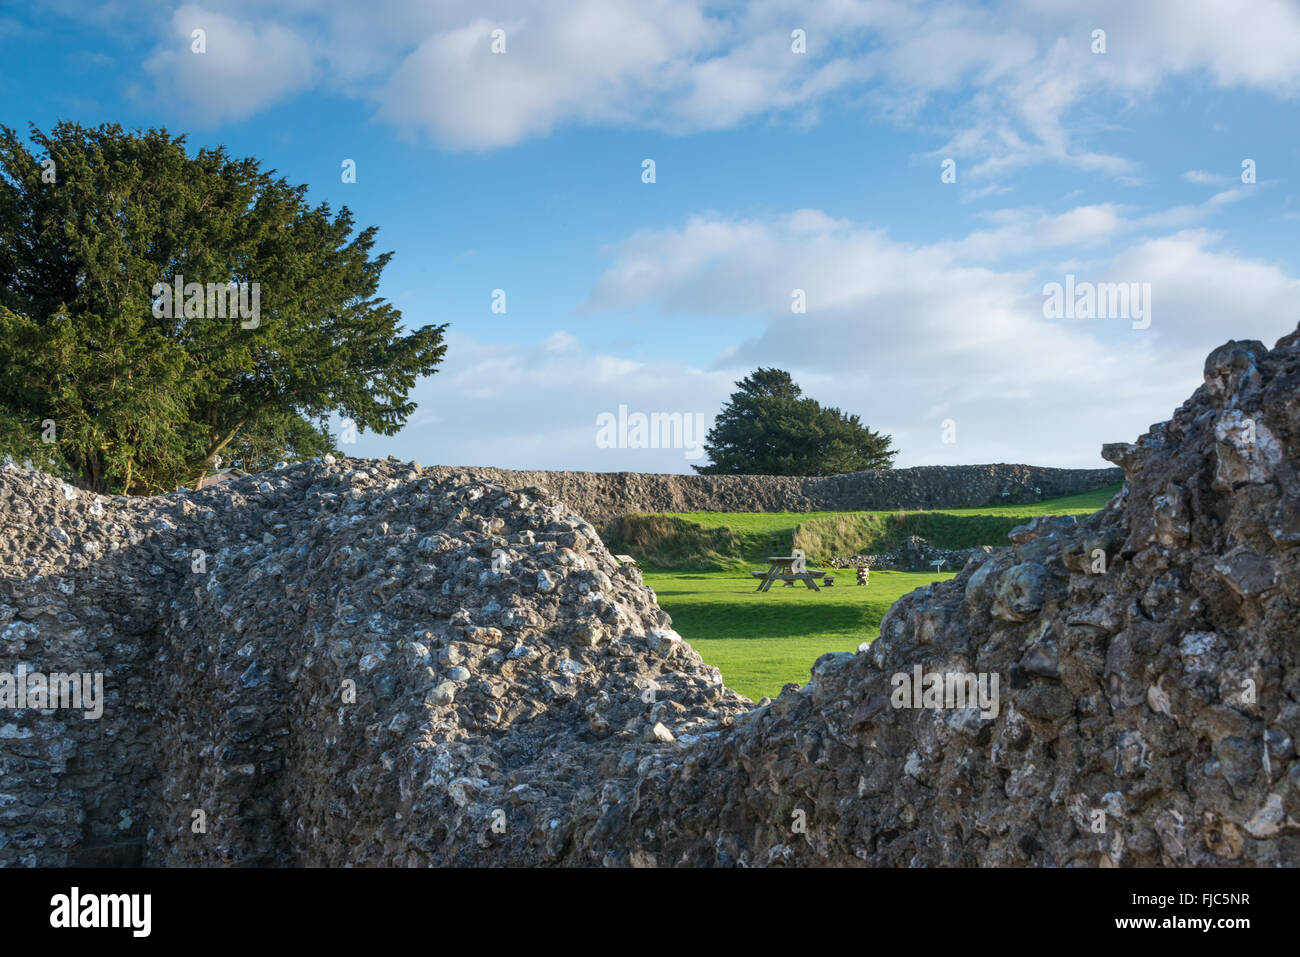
[782, 567]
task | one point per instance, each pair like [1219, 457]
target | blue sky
[775, 171]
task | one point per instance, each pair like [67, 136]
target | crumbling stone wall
[358, 663]
[1150, 685]
[82, 580]
[600, 496]
[312, 665]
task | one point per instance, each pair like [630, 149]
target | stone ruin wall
[377, 666]
[600, 496]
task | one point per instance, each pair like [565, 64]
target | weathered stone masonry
[600, 496]
[542, 711]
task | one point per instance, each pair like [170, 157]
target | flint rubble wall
[374, 665]
[600, 496]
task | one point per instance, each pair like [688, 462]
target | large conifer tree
[91, 221]
[769, 428]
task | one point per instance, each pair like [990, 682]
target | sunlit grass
[762, 640]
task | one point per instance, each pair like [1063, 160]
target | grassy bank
[717, 541]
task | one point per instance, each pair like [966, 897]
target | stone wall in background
[600, 496]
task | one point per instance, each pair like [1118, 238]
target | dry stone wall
[600, 496]
[366, 664]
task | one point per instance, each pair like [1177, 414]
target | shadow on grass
[772, 620]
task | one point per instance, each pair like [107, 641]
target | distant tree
[769, 428]
[140, 393]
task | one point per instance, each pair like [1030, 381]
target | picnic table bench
[781, 567]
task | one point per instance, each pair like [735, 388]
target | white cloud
[990, 189]
[246, 66]
[535, 406]
[1180, 216]
[1023, 83]
[1030, 229]
[1203, 297]
[664, 64]
[908, 335]
[905, 335]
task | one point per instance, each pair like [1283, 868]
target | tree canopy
[107, 376]
[768, 427]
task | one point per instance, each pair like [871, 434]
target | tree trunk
[213, 452]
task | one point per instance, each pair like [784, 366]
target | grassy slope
[732, 540]
[1084, 503]
[761, 641]
[754, 525]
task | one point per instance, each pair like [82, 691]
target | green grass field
[1083, 504]
[759, 523]
[761, 640]
[698, 563]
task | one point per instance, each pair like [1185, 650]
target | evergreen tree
[768, 427]
[139, 394]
